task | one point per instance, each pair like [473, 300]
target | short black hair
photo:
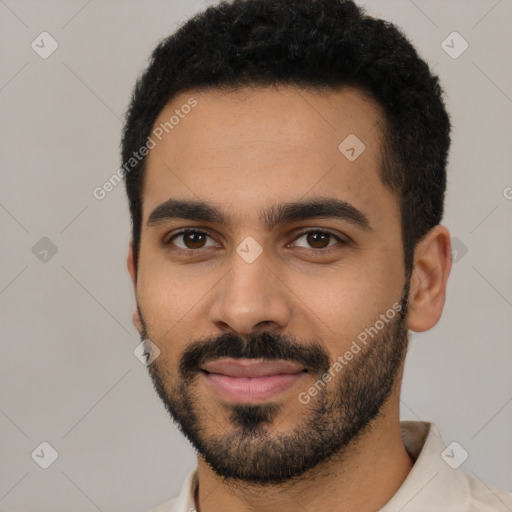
[310, 44]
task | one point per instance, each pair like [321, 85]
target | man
[285, 164]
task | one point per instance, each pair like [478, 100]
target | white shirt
[431, 486]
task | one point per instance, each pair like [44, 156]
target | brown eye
[195, 240]
[190, 239]
[317, 239]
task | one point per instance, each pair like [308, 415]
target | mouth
[251, 380]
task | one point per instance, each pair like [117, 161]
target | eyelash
[188, 252]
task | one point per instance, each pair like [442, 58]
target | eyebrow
[276, 215]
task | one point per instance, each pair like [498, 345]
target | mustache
[264, 345]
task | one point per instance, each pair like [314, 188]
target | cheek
[166, 303]
[342, 306]
[168, 291]
[339, 309]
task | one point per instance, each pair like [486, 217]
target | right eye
[192, 240]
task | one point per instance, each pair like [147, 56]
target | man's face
[306, 290]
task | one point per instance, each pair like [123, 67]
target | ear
[432, 265]
[133, 274]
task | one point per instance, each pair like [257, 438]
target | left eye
[318, 239]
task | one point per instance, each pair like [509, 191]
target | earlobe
[432, 265]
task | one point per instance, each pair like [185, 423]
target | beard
[250, 449]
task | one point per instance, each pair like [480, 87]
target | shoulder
[484, 497]
[438, 482]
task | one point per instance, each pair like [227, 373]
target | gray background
[67, 372]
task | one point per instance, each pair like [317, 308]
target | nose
[252, 297]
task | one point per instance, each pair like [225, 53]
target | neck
[377, 461]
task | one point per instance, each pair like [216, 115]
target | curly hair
[319, 44]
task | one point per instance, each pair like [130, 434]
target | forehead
[251, 148]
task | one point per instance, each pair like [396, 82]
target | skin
[245, 151]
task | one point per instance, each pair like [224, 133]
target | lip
[249, 380]
[251, 367]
